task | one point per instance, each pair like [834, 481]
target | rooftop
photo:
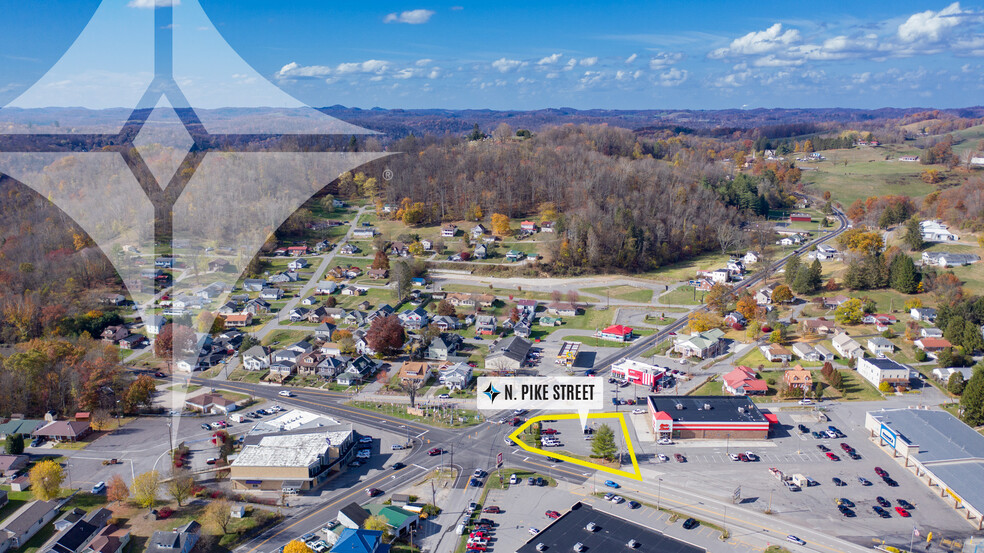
[722, 408]
[294, 450]
[612, 534]
[885, 364]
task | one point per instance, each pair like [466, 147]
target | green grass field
[866, 173]
[624, 293]
[683, 295]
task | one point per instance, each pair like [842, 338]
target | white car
[534, 531]
[364, 454]
[365, 440]
[638, 411]
[444, 396]
[663, 458]
[734, 457]
[665, 441]
[806, 402]
[285, 393]
[617, 499]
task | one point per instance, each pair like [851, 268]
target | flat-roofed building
[296, 461]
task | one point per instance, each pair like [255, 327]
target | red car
[902, 512]
[475, 547]
[846, 447]
[680, 458]
[880, 472]
[548, 431]
[478, 534]
[552, 514]
[492, 509]
[832, 457]
[435, 451]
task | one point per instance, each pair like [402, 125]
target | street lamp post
[659, 486]
[117, 414]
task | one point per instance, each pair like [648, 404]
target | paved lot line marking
[635, 475]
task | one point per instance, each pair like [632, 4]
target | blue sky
[523, 55]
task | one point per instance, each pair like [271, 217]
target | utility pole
[659, 486]
[433, 494]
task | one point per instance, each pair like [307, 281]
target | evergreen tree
[913, 235]
[15, 444]
[972, 400]
[955, 384]
[802, 284]
[816, 275]
[971, 338]
[903, 275]
[854, 275]
[954, 330]
[792, 269]
[603, 443]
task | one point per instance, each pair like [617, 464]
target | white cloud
[930, 25]
[505, 65]
[403, 73]
[152, 3]
[626, 75]
[631, 58]
[369, 66]
[423, 62]
[588, 62]
[293, 69]
[760, 42]
[550, 60]
[411, 17]
[664, 59]
[435, 73]
[570, 64]
[673, 77]
[590, 78]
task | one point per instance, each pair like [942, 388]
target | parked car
[634, 504]
[690, 523]
[494, 509]
[881, 472]
[444, 396]
[881, 512]
[680, 458]
[365, 440]
[99, 488]
[832, 456]
[211, 461]
[552, 514]
[902, 512]
[664, 441]
[864, 481]
[803, 429]
[905, 504]
[839, 482]
[883, 502]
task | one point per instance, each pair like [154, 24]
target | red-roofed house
[297, 250]
[800, 217]
[932, 345]
[63, 431]
[743, 381]
[528, 226]
[616, 333]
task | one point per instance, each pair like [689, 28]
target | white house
[256, 358]
[927, 314]
[155, 324]
[297, 264]
[881, 369]
[455, 377]
[326, 287]
[805, 351]
[750, 258]
[847, 347]
[880, 346]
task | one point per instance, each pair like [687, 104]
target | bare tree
[729, 237]
[411, 386]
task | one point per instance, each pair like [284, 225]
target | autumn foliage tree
[218, 514]
[718, 298]
[782, 294]
[145, 487]
[747, 306]
[174, 337]
[445, 309]
[381, 261]
[116, 489]
[386, 335]
[500, 224]
[297, 546]
[46, 480]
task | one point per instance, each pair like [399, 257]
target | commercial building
[597, 530]
[509, 354]
[946, 454]
[637, 372]
[291, 462]
[708, 417]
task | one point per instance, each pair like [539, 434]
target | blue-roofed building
[360, 541]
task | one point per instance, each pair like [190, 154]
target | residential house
[353, 291]
[798, 377]
[298, 314]
[308, 362]
[228, 308]
[547, 226]
[461, 300]
[414, 319]
[735, 318]
[478, 230]
[882, 319]
[936, 231]
[254, 284]
[211, 403]
[10, 465]
[310, 300]
[399, 249]
[274, 294]
[930, 333]
[443, 346]
[456, 376]
[805, 351]
[415, 371]
[764, 295]
[717, 276]
[825, 252]
[742, 381]
[77, 529]
[933, 345]
[349, 249]
[298, 264]
[880, 346]
[282, 370]
[882, 369]
[364, 233]
[776, 353]
[751, 258]
[114, 299]
[155, 324]
[910, 159]
[355, 318]
[702, 284]
[481, 251]
[448, 230]
[114, 333]
[358, 369]
[735, 267]
[133, 341]
[284, 277]
[927, 314]
[485, 300]
[562, 309]
[164, 262]
[256, 358]
[485, 324]
[179, 540]
[330, 367]
[21, 526]
[300, 347]
[324, 331]
[385, 310]
[818, 327]
[522, 329]
[239, 320]
[508, 354]
[326, 287]
[702, 345]
[256, 307]
[110, 539]
[823, 354]
[377, 274]
[792, 240]
[847, 347]
[528, 226]
[834, 302]
[445, 322]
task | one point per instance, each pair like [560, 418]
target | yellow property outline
[637, 475]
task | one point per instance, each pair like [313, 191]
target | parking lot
[709, 469]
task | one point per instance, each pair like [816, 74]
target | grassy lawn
[624, 293]
[685, 270]
[253, 377]
[867, 173]
[520, 294]
[396, 410]
[285, 337]
[856, 388]
[590, 319]
[754, 358]
[181, 388]
[712, 388]
[684, 295]
[593, 342]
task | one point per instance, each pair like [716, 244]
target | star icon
[491, 392]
